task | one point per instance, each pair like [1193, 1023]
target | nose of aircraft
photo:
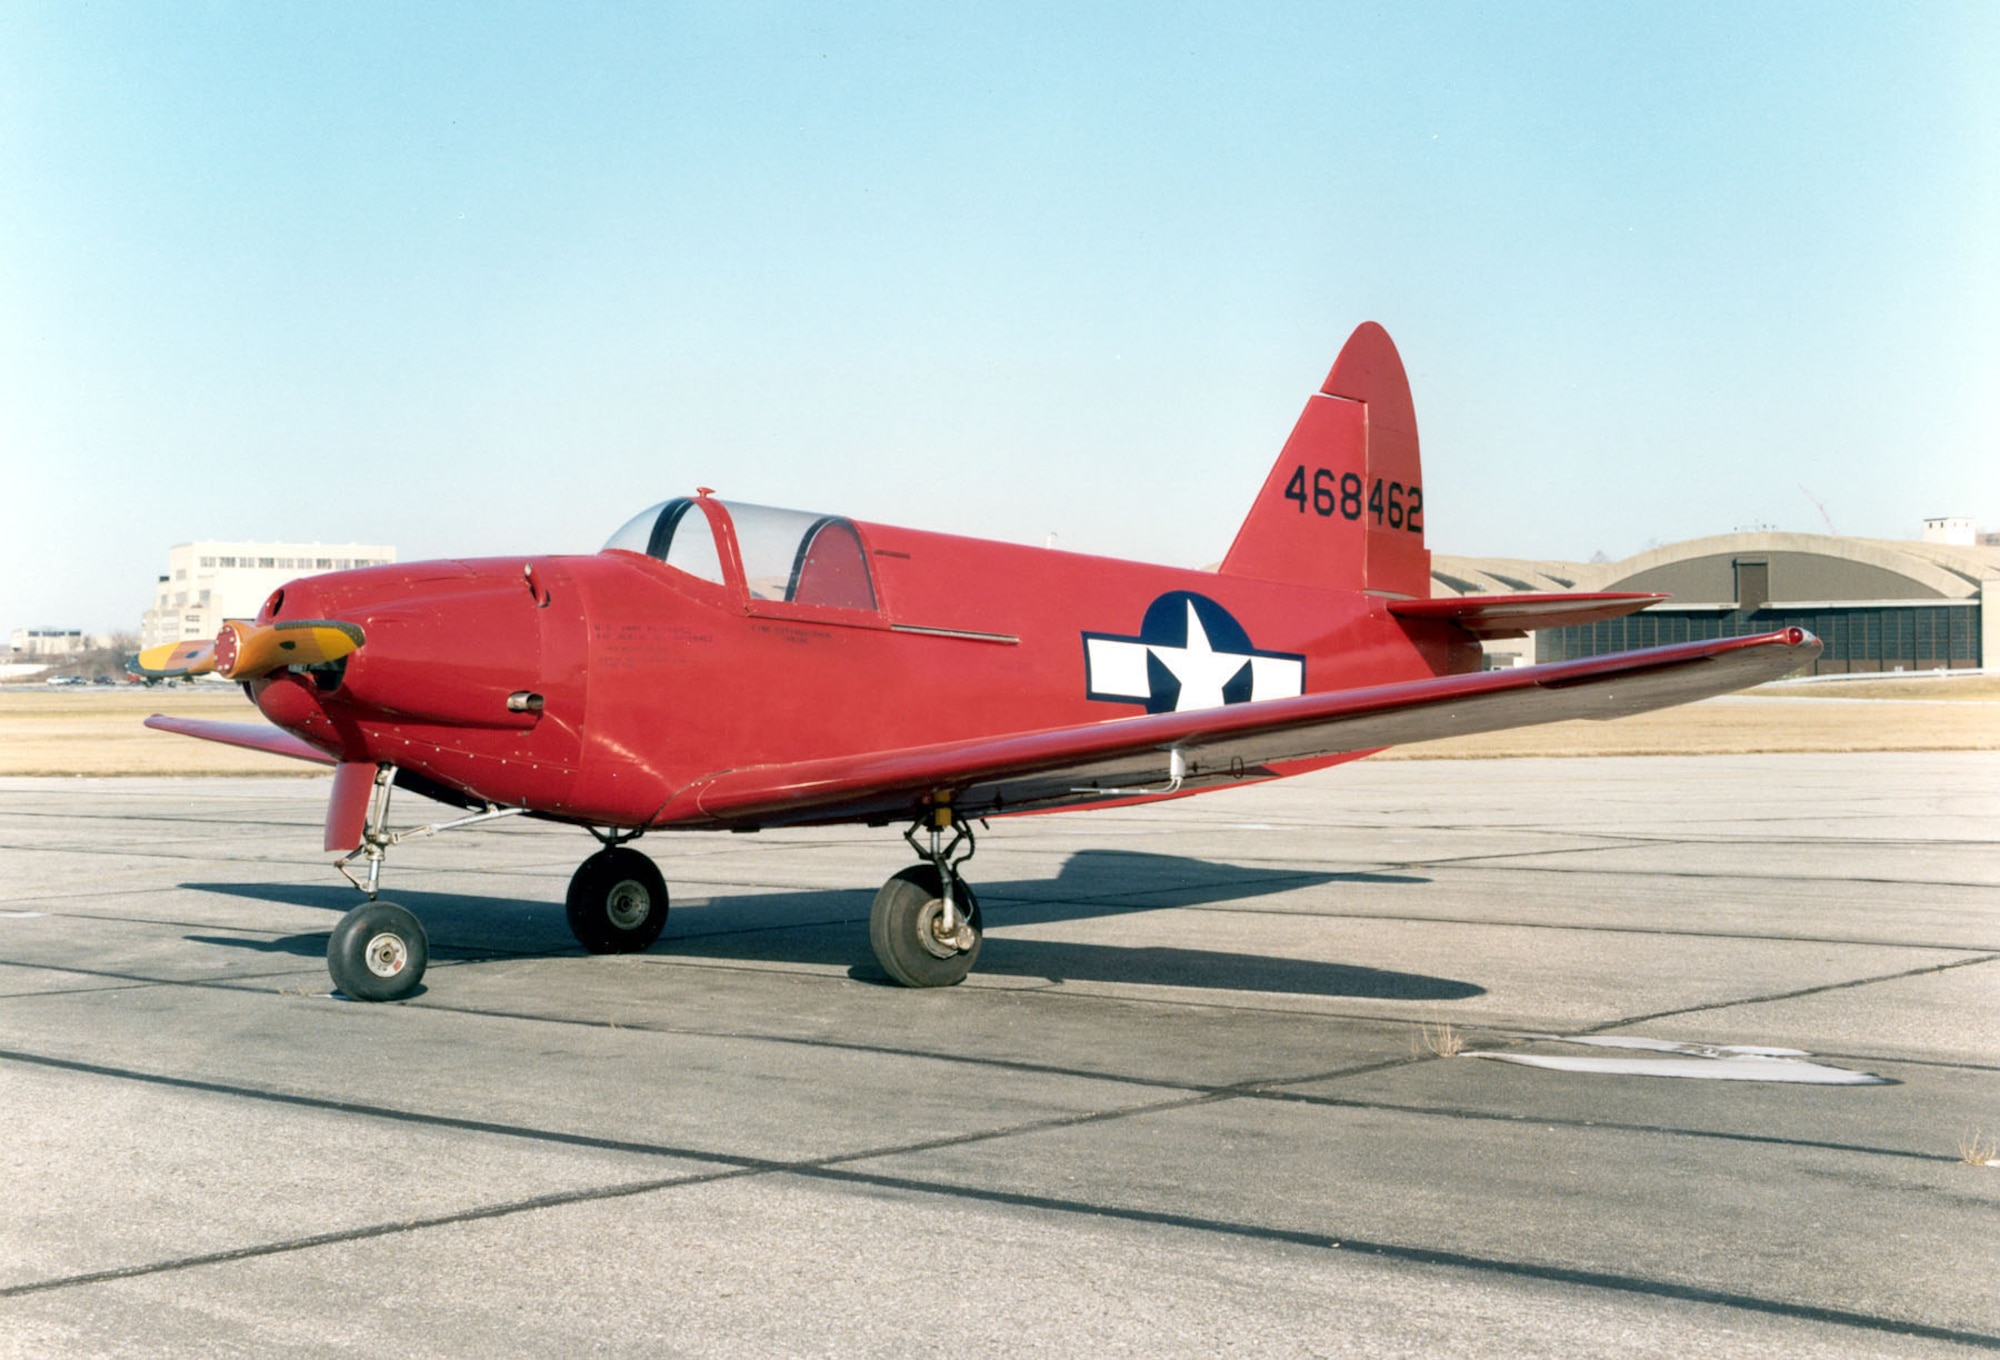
[472, 675]
[446, 644]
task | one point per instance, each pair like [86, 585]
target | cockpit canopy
[788, 556]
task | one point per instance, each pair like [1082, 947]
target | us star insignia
[1190, 654]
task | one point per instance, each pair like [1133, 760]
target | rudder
[1343, 506]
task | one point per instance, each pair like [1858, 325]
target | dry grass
[1441, 1039]
[1976, 1149]
[1740, 725]
[1958, 687]
[100, 732]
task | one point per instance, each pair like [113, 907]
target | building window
[323, 563]
[1859, 637]
[208, 561]
[267, 561]
[180, 573]
[228, 561]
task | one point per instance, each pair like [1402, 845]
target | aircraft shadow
[830, 927]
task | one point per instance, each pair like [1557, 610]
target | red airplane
[730, 666]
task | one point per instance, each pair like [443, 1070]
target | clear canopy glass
[789, 556]
[675, 532]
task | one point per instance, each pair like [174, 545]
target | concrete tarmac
[1191, 1100]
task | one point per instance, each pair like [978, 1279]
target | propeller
[243, 650]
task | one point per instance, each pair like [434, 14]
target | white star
[1201, 669]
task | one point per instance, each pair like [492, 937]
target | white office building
[209, 581]
[53, 642]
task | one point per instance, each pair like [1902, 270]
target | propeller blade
[174, 660]
[245, 650]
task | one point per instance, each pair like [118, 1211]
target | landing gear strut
[925, 926]
[379, 950]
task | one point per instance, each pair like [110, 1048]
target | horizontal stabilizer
[1094, 762]
[250, 736]
[1498, 616]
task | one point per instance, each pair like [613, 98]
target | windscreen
[675, 532]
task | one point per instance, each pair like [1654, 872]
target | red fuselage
[645, 678]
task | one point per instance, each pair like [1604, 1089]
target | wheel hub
[628, 905]
[386, 955]
[937, 941]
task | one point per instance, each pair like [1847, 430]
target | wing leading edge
[1097, 762]
[251, 736]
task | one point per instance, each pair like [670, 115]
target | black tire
[378, 952]
[909, 904]
[617, 902]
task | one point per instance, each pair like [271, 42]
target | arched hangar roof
[1803, 567]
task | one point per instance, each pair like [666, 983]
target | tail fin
[1344, 506]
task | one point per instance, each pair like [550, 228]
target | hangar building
[209, 581]
[1878, 604]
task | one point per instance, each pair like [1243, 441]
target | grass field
[1960, 687]
[100, 732]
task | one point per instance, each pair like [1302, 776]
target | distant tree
[106, 661]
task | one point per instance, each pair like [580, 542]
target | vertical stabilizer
[1344, 504]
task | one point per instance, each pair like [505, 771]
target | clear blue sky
[480, 279]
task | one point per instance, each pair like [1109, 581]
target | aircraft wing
[255, 736]
[1121, 758]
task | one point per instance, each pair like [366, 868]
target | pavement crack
[1428, 1256]
[727, 1165]
[1847, 984]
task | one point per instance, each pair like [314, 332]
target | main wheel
[903, 928]
[378, 952]
[617, 902]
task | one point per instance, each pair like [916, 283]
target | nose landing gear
[925, 927]
[378, 951]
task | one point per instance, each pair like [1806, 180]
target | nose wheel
[378, 953]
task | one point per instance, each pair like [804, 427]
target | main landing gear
[617, 901]
[925, 925]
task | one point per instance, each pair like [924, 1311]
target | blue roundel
[1166, 623]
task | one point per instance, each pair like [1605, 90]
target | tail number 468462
[1389, 504]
